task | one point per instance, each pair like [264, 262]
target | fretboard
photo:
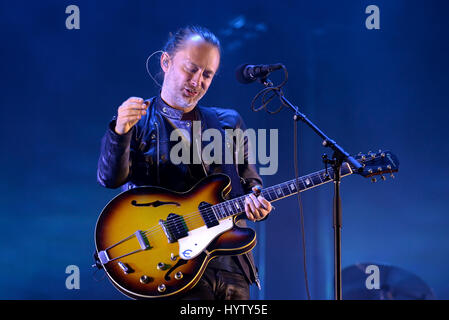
[236, 206]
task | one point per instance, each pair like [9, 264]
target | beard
[182, 99]
[179, 93]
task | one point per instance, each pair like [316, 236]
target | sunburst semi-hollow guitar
[154, 243]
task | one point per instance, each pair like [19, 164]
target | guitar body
[154, 243]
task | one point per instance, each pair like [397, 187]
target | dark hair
[176, 40]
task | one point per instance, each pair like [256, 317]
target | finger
[255, 207]
[266, 204]
[133, 105]
[135, 99]
[249, 215]
[250, 204]
[258, 207]
[131, 112]
[131, 119]
[250, 208]
[255, 201]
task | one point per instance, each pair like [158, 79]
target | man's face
[189, 73]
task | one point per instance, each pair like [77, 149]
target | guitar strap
[246, 261]
[211, 120]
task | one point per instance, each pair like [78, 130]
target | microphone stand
[339, 156]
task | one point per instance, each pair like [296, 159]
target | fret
[266, 194]
[272, 194]
[292, 186]
[225, 211]
[301, 180]
[308, 181]
[319, 176]
[237, 205]
[217, 214]
[218, 210]
[241, 202]
[285, 189]
[230, 205]
[222, 214]
[317, 179]
[279, 191]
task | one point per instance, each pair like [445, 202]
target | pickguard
[198, 239]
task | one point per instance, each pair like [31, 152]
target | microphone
[247, 73]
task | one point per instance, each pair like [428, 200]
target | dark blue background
[367, 89]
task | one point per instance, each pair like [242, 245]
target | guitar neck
[236, 206]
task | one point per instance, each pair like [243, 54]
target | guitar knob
[161, 288]
[173, 257]
[160, 266]
[145, 279]
[178, 275]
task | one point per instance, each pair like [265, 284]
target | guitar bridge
[102, 257]
[142, 239]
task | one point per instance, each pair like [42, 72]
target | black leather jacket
[142, 157]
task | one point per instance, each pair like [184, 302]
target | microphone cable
[301, 213]
[148, 70]
[270, 88]
[277, 91]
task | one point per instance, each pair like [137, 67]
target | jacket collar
[168, 111]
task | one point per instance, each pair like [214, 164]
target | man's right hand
[129, 113]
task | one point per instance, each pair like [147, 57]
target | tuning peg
[383, 178]
[373, 180]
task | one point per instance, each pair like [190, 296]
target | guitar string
[268, 189]
[197, 217]
[194, 216]
[188, 217]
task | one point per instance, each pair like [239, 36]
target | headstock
[380, 163]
